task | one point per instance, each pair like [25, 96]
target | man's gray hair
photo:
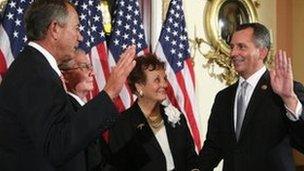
[69, 62]
[40, 15]
[261, 36]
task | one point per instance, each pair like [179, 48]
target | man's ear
[54, 30]
[263, 53]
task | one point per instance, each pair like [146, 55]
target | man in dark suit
[255, 122]
[79, 76]
[39, 129]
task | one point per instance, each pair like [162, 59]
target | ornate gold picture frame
[221, 19]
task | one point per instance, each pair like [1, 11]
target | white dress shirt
[162, 138]
[252, 82]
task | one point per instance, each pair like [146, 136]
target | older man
[39, 129]
[79, 76]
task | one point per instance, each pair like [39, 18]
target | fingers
[282, 63]
[127, 56]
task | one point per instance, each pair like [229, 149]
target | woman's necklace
[155, 121]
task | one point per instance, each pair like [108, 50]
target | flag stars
[127, 27]
[180, 55]
[99, 8]
[134, 31]
[129, 8]
[24, 39]
[116, 42]
[10, 16]
[117, 32]
[128, 17]
[88, 44]
[181, 46]
[90, 3]
[94, 28]
[122, 3]
[173, 51]
[84, 6]
[174, 33]
[173, 43]
[81, 28]
[168, 29]
[125, 36]
[119, 22]
[12, 4]
[20, 10]
[96, 18]
[15, 34]
[135, 22]
[136, 12]
[120, 13]
[141, 36]
[124, 46]
[102, 34]
[167, 38]
[18, 22]
[175, 24]
[82, 16]
[179, 64]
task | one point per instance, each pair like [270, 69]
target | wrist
[110, 93]
[291, 101]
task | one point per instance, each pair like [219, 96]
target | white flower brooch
[172, 112]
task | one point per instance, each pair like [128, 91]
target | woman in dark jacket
[152, 134]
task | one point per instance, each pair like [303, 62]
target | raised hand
[120, 72]
[282, 80]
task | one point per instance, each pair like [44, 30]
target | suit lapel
[230, 104]
[143, 130]
[255, 101]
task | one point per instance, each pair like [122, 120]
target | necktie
[63, 82]
[241, 108]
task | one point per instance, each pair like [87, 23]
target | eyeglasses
[82, 66]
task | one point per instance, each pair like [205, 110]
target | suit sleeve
[56, 130]
[297, 128]
[211, 153]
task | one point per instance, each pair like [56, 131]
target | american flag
[127, 30]
[12, 33]
[173, 48]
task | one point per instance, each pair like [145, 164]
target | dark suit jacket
[136, 148]
[97, 154]
[266, 137]
[39, 129]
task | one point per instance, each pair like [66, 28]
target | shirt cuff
[294, 116]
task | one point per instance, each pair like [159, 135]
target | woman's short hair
[148, 62]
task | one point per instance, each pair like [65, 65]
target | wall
[298, 39]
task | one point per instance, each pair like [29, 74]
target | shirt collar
[254, 78]
[77, 98]
[48, 56]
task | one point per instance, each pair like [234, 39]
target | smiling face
[154, 87]
[246, 57]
